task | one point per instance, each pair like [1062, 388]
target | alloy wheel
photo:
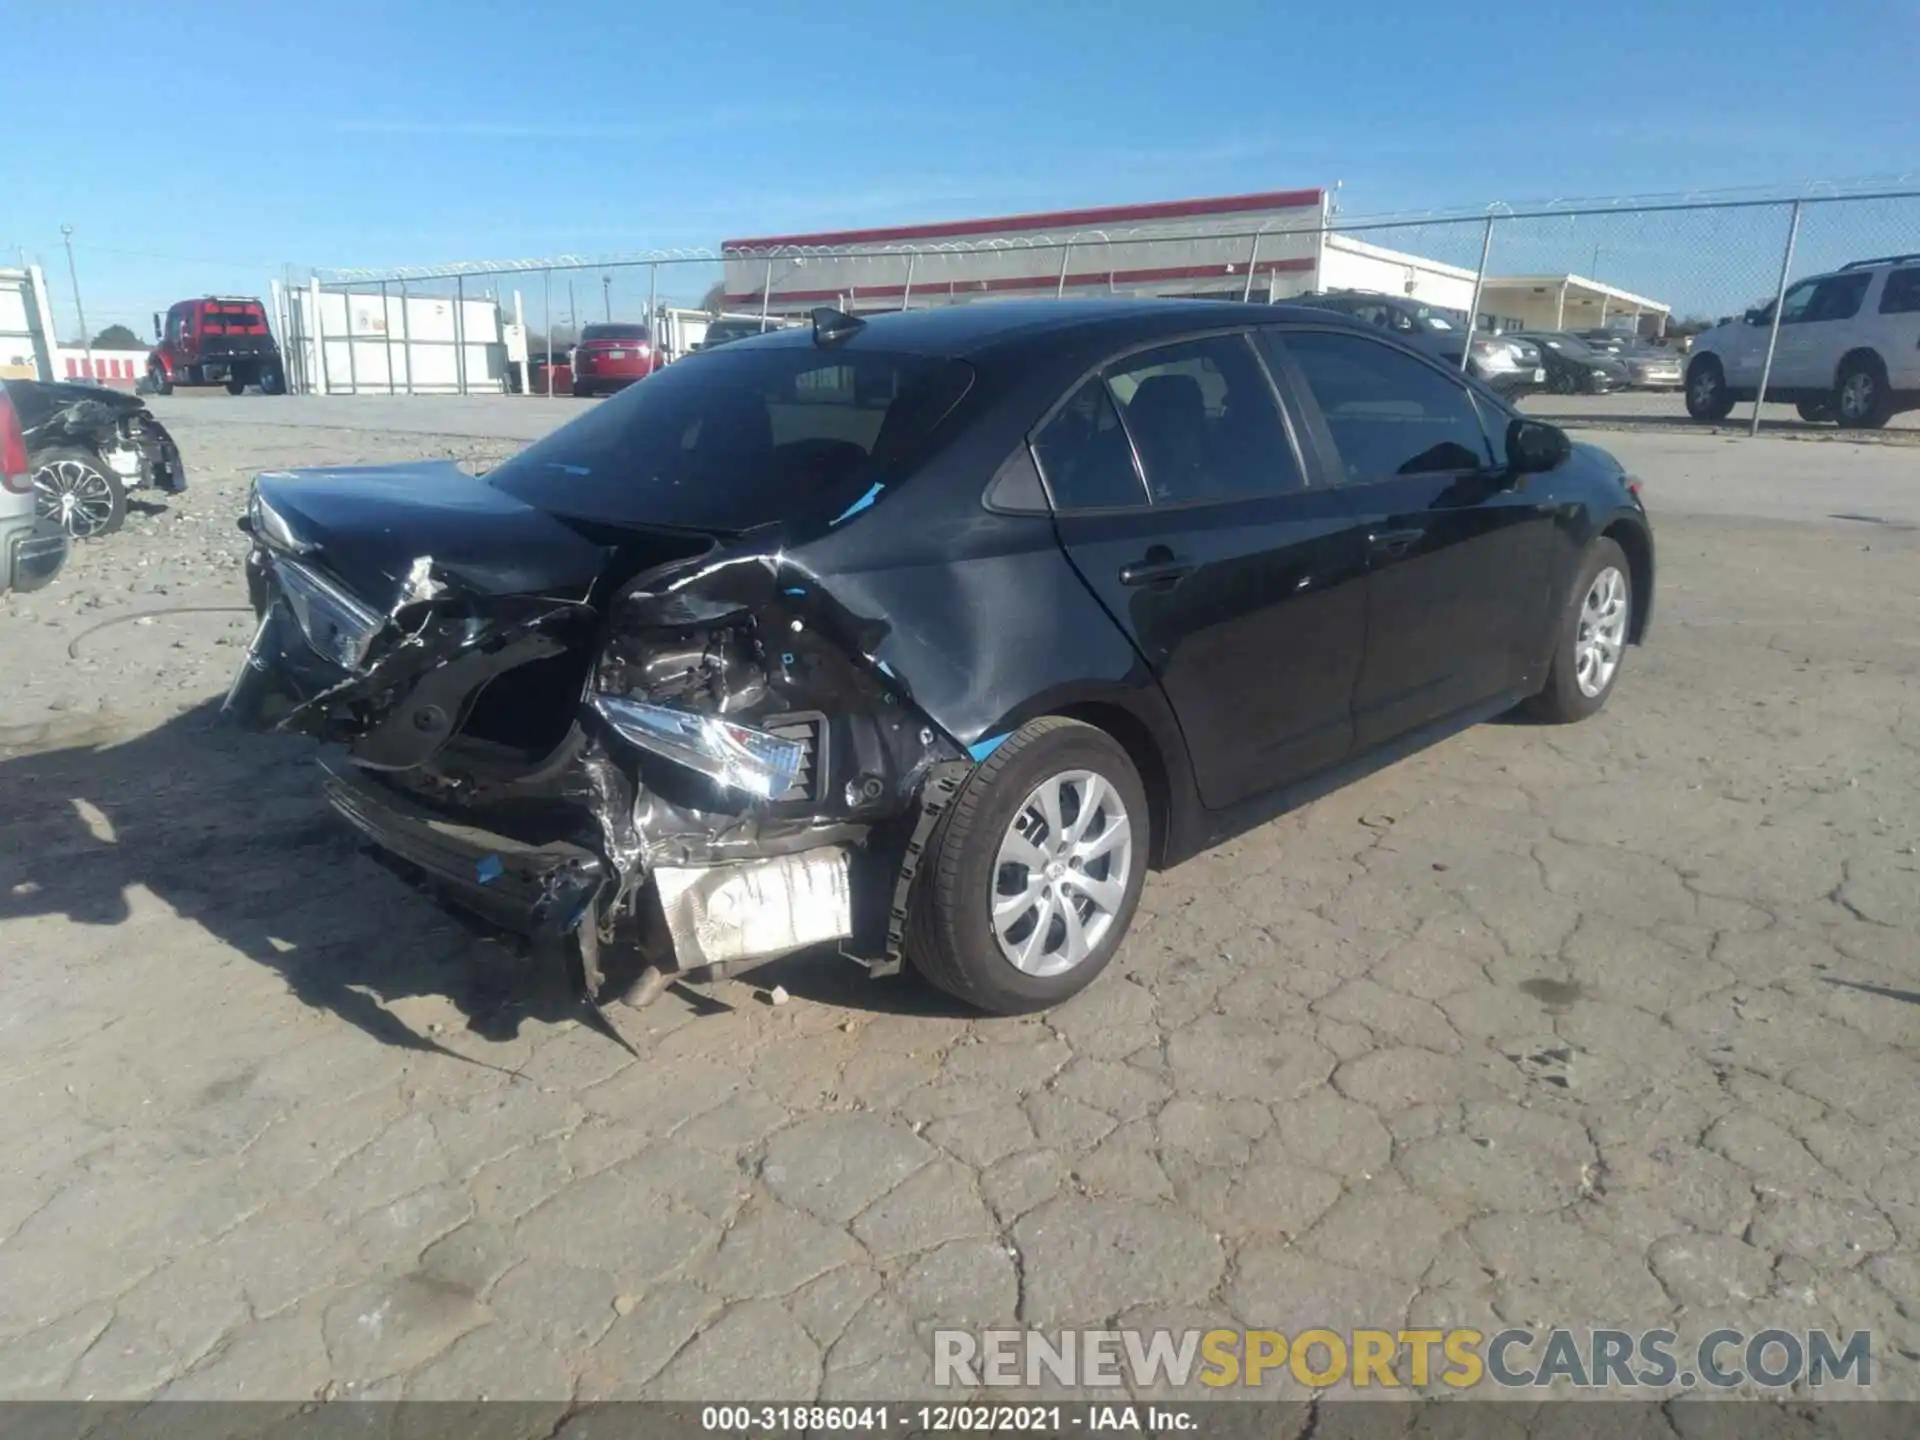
[1857, 395]
[1060, 878]
[79, 497]
[1602, 633]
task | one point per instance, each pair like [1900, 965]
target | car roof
[960, 331]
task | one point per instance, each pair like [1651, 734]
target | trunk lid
[371, 526]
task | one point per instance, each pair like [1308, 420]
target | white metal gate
[377, 343]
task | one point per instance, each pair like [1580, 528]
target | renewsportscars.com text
[1771, 1359]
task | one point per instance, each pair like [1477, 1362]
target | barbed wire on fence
[1502, 212]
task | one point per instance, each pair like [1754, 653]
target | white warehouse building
[1264, 247]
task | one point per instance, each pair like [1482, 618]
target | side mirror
[156, 324]
[1534, 447]
[1755, 317]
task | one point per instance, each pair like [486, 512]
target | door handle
[1393, 543]
[1158, 567]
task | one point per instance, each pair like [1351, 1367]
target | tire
[1707, 395]
[951, 936]
[1862, 399]
[1567, 696]
[273, 381]
[581, 392]
[161, 384]
[72, 487]
[236, 386]
[1815, 411]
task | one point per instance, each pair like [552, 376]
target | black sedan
[88, 446]
[1574, 367]
[929, 635]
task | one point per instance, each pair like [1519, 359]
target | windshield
[741, 438]
[1572, 345]
[1435, 322]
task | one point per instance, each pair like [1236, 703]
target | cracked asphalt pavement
[1612, 1025]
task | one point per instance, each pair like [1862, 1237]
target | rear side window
[1203, 419]
[744, 438]
[615, 332]
[1901, 296]
[1084, 456]
[1389, 413]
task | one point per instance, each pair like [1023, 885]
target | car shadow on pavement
[228, 830]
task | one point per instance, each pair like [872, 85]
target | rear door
[1182, 500]
[1459, 559]
[1896, 330]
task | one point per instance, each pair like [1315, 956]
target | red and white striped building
[1267, 246]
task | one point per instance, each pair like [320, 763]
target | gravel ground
[1613, 1025]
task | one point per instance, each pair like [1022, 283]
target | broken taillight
[14, 467]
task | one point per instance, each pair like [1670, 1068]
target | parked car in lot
[1575, 368]
[1652, 367]
[1848, 348]
[87, 447]
[1491, 359]
[33, 549]
[611, 357]
[722, 331]
[215, 340]
[929, 635]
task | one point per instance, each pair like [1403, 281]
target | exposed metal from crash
[88, 446]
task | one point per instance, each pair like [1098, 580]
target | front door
[1815, 334]
[1458, 556]
[1181, 500]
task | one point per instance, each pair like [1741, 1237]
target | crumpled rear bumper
[526, 889]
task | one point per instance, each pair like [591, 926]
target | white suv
[33, 548]
[1849, 348]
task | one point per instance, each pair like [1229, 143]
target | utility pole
[86, 338]
[606, 295]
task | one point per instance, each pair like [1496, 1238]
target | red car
[611, 357]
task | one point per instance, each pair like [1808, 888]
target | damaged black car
[926, 636]
[88, 446]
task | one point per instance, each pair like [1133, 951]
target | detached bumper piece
[526, 889]
[728, 914]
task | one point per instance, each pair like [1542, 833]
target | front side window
[1901, 296]
[1203, 419]
[1838, 297]
[1389, 413]
[1795, 307]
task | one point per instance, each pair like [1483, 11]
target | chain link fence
[1664, 268]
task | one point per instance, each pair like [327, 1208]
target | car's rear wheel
[157, 377]
[71, 487]
[1591, 639]
[1815, 411]
[236, 385]
[1707, 395]
[1862, 400]
[1035, 872]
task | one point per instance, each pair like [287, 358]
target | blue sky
[202, 146]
